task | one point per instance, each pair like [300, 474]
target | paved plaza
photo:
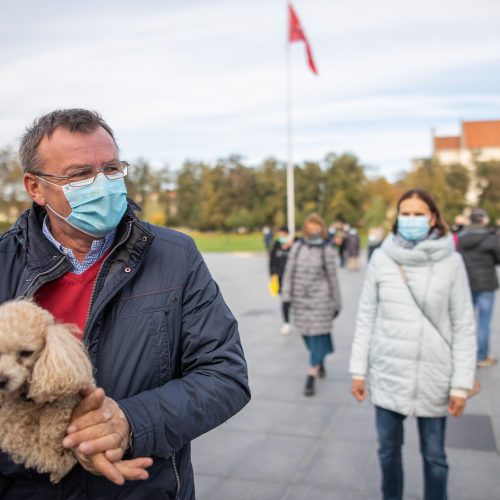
[284, 446]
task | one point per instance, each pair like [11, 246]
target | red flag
[296, 34]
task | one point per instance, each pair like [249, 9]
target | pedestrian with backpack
[311, 287]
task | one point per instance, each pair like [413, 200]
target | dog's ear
[63, 367]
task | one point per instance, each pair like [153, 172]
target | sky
[201, 80]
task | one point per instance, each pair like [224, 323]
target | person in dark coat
[277, 263]
[165, 348]
[480, 248]
[352, 248]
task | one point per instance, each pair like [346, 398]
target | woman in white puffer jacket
[414, 344]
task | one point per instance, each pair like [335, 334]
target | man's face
[63, 152]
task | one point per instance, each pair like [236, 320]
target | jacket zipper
[125, 237]
[419, 357]
[177, 476]
[34, 280]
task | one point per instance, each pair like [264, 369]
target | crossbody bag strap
[476, 388]
[431, 321]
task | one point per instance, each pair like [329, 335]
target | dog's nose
[3, 382]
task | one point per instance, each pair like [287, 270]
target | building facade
[479, 141]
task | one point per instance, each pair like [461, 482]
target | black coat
[278, 258]
[480, 248]
[163, 344]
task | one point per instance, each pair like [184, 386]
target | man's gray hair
[74, 120]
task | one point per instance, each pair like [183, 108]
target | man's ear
[33, 186]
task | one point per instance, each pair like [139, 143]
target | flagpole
[290, 182]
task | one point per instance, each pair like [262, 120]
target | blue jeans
[483, 303]
[390, 440]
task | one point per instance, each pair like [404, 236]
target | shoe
[286, 329]
[309, 388]
[322, 371]
[486, 362]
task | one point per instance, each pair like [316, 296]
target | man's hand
[118, 472]
[98, 424]
[99, 434]
[358, 389]
[456, 406]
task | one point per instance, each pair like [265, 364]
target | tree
[379, 201]
[270, 197]
[345, 189]
[448, 185]
[148, 187]
[309, 188]
[13, 196]
[488, 175]
[188, 184]
[214, 200]
[241, 185]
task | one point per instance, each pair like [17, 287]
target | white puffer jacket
[409, 367]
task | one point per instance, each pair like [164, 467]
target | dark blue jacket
[163, 344]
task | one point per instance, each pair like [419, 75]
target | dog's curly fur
[42, 368]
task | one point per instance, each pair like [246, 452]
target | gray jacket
[410, 365]
[310, 284]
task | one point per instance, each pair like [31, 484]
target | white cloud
[205, 79]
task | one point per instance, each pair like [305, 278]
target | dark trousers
[390, 440]
[286, 312]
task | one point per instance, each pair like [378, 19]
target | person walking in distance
[352, 246]
[414, 345]
[277, 263]
[311, 287]
[480, 248]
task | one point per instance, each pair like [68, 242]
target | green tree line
[231, 194]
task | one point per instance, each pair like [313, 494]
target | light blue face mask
[413, 228]
[95, 209]
[283, 239]
[315, 239]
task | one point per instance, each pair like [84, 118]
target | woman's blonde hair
[314, 219]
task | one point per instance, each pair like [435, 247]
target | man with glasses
[165, 348]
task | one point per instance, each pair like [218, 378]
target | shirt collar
[98, 248]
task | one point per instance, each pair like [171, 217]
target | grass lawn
[227, 242]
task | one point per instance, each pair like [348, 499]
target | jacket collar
[41, 253]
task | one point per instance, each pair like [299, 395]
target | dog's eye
[25, 354]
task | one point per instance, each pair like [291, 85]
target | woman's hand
[456, 406]
[358, 389]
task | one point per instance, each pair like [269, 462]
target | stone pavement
[284, 446]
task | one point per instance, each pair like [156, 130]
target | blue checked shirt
[97, 250]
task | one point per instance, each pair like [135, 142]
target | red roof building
[479, 141]
[475, 135]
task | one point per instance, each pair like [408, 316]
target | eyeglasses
[84, 176]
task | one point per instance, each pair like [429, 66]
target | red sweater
[68, 297]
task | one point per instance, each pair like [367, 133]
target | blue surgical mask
[95, 209]
[283, 240]
[314, 239]
[413, 228]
